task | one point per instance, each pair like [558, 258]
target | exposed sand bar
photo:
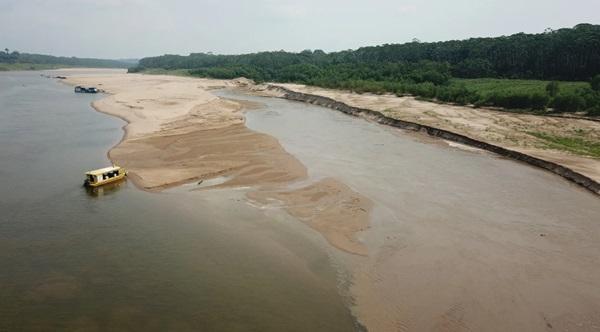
[179, 132]
[328, 206]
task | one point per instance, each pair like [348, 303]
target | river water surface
[458, 239]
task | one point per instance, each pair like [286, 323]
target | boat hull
[103, 182]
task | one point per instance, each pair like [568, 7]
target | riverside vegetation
[15, 60]
[553, 71]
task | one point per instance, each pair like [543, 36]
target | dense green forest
[16, 60]
[433, 70]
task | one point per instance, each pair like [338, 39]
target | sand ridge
[179, 132]
[330, 207]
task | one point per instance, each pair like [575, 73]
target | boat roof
[103, 170]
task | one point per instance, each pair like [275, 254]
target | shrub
[510, 99]
[552, 88]
[426, 90]
[538, 101]
[594, 111]
[595, 83]
[568, 103]
[456, 93]
[429, 75]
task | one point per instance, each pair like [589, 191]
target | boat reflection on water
[106, 189]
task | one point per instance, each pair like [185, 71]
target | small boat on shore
[103, 176]
[82, 89]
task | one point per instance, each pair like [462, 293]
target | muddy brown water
[121, 259]
[458, 239]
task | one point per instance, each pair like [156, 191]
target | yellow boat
[105, 175]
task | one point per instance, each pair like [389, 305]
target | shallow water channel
[459, 238]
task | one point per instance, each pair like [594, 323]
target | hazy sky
[138, 28]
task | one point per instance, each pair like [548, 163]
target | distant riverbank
[27, 66]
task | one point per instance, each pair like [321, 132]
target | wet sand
[179, 132]
[328, 206]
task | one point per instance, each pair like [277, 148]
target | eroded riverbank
[505, 130]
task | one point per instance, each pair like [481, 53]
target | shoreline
[204, 137]
[368, 114]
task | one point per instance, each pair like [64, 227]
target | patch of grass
[488, 85]
[575, 145]
[161, 71]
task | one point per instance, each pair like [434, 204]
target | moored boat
[82, 89]
[103, 176]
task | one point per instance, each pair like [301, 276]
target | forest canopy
[429, 70]
[564, 54]
[14, 57]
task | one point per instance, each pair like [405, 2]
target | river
[459, 238]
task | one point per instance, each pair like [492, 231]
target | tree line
[426, 69]
[15, 57]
